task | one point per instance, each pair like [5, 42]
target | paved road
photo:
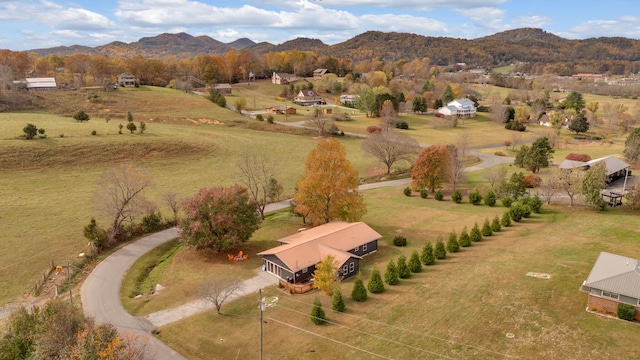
[100, 293]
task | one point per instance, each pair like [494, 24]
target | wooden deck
[298, 288]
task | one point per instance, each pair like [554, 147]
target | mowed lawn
[478, 303]
[48, 185]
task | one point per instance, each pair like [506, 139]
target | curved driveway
[100, 292]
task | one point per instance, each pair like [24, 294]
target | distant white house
[308, 97]
[349, 99]
[48, 83]
[462, 108]
[283, 78]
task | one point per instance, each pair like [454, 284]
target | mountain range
[525, 44]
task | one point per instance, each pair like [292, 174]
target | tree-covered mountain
[519, 45]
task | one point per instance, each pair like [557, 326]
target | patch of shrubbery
[626, 312]
[400, 241]
[438, 195]
[456, 197]
[402, 125]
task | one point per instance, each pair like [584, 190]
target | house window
[345, 269]
[356, 248]
[610, 295]
[364, 247]
[304, 271]
[352, 267]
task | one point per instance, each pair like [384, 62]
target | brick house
[295, 260]
[614, 279]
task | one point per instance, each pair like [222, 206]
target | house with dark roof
[224, 89]
[614, 279]
[283, 78]
[295, 260]
[128, 80]
[308, 97]
[615, 167]
[461, 108]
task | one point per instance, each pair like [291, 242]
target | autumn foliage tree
[219, 218]
[325, 275]
[430, 169]
[328, 189]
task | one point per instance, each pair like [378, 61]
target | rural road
[100, 291]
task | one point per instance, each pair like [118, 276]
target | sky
[33, 24]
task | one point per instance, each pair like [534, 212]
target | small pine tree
[359, 292]
[131, 127]
[427, 257]
[414, 262]
[486, 228]
[507, 201]
[490, 199]
[317, 314]
[438, 195]
[391, 274]
[375, 285]
[475, 233]
[129, 116]
[337, 302]
[407, 191]
[465, 240]
[506, 219]
[495, 224]
[403, 268]
[423, 193]
[452, 244]
[475, 198]
[440, 252]
[456, 197]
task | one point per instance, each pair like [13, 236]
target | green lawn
[463, 307]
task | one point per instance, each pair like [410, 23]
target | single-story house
[349, 99]
[295, 260]
[47, 83]
[462, 108]
[317, 73]
[224, 89]
[308, 97]
[615, 167]
[128, 80]
[283, 78]
[289, 110]
[613, 279]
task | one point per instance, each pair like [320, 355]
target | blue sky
[31, 24]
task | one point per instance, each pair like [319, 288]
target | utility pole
[261, 303]
[69, 280]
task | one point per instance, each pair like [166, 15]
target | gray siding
[286, 273]
[301, 276]
[372, 246]
[352, 268]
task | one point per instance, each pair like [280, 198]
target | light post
[261, 310]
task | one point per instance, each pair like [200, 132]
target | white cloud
[53, 15]
[69, 34]
[419, 5]
[485, 17]
[534, 21]
[404, 23]
[627, 26]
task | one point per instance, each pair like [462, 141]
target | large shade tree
[431, 168]
[328, 189]
[219, 218]
[390, 147]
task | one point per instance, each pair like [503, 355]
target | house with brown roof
[295, 260]
[283, 78]
[289, 110]
[224, 89]
[318, 73]
[308, 97]
[614, 279]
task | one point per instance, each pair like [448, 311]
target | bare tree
[463, 141]
[391, 147]
[319, 121]
[173, 202]
[550, 185]
[120, 196]
[456, 166]
[257, 172]
[570, 182]
[495, 175]
[221, 289]
[388, 115]
[515, 139]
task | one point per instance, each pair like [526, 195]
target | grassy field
[48, 185]
[463, 307]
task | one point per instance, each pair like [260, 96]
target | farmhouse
[127, 80]
[317, 73]
[616, 168]
[289, 110]
[224, 89]
[308, 97]
[283, 78]
[295, 260]
[613, 279]
[41, 83]
[462, 108]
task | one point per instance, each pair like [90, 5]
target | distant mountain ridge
[525, 44]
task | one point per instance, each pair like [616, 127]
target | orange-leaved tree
[328, 189]
[430, 169]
